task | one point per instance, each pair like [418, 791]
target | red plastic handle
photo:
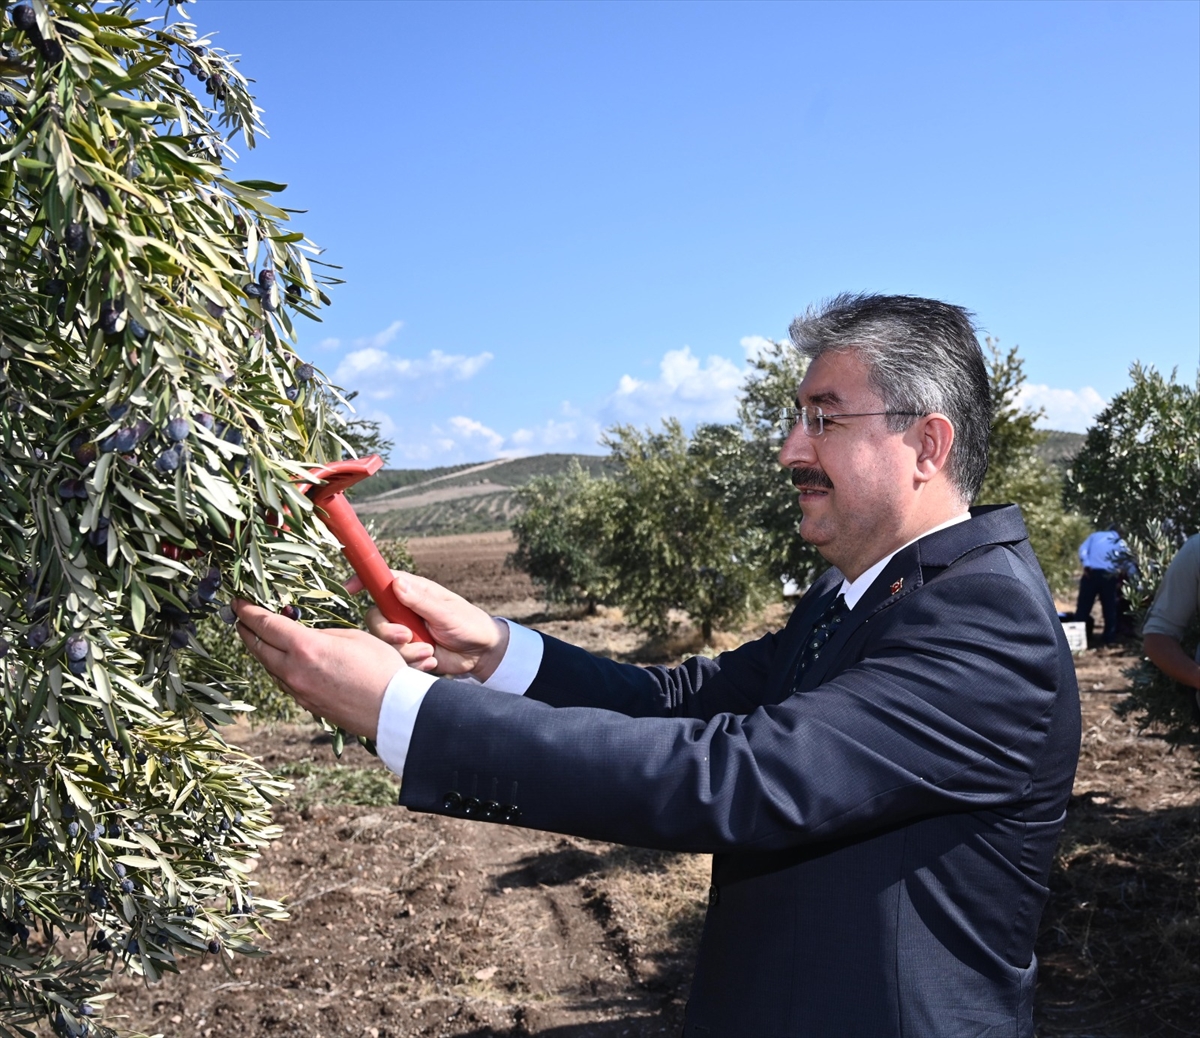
[361, 552]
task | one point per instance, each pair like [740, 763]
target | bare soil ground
[1120, 939]
[474, 566]
[405, 924]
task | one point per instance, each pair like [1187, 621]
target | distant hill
[1060, 447]
[506, 472]
[472, 498]
[391, 479]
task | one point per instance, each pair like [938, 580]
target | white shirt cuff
[521, 660]
[406, 691]
[398, 715]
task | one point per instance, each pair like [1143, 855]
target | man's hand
[339, 675]
[469, 641]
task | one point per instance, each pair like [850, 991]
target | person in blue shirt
[1104, 556]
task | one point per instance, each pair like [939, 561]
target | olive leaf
[154, 416]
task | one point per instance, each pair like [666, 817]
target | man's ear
[936, 436]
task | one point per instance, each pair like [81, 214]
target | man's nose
[797, 449]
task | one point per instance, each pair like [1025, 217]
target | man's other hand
[468, 640]
[339, 675]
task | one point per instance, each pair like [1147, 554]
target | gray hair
[922, 356]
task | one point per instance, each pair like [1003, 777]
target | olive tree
[1018, 475]
[1139, 468]
[154, 418]
[757, 488]
[652, 537]
[256, 688]
[672, 544]
[561, 528]
[1139, 465]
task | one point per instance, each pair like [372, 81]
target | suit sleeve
[947, 708]
[699, 688]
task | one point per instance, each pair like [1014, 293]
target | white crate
[1076, 632]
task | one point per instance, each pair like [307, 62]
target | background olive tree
[154, 417]
[1018, 475]
[757, 492]
[560, 528]
[1139, 468]
[673, 544]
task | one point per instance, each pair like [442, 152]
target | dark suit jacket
[882, 836]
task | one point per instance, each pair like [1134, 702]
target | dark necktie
[822, 630]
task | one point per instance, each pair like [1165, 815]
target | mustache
[811, 478]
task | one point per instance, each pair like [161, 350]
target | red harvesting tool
[329, 499]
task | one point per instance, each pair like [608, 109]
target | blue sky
[556, 216]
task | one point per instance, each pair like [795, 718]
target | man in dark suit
[882, 783]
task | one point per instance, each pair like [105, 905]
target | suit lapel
[900, 577]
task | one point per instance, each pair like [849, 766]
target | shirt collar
[853, 590]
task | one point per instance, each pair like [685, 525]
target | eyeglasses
[813, 419]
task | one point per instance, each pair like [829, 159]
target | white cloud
[378, 371]
[470, 430]
[458, 366]
[462, 438]
[387, 427]
[553, 437]
[755, 346]
[378, 340]
[1068, 410]
[381, 339]
[415, 453]
[370, 368]
[550, 437]
[685, 389]
[359, 361]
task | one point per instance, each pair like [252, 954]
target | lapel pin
[898, 585]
